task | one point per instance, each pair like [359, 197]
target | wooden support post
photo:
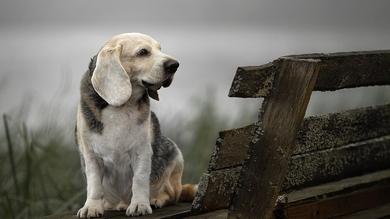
[273, 141]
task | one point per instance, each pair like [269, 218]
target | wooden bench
[328, 166]
[287, 166]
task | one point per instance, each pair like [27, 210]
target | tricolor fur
[128, 164]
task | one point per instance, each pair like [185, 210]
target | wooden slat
[339, 129]
[335, 164]
[333, 189]
[338, 71]
[231, 148]
[271, 147]
[253, 81]
[351, 69]
[318, 133]
[341, 187]
[219, 214]
[215, 190]
[180, 210]
[378, 212]
[341, 205]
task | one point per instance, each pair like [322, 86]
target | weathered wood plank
[316, 133]
[333, 189]
[341, 205]
[351, 69]
[319, 133]
[180, 210]
[219, 214]
[274, 139]
[338, 71]
[215, 190]
[253, 81]
[342, 128]
[379, 212]
[341, 187]
[335, 164]
[231, 148]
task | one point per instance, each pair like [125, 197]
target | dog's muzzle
[170, 67]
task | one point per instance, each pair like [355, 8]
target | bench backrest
[284, 151]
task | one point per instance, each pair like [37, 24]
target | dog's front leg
[141, 165]
[93, 206]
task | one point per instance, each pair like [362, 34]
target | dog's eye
[143, 52]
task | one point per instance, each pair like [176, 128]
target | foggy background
[46, 46]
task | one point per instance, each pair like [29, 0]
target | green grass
[40, 171]
[40, 166]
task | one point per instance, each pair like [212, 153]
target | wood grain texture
[341, 205]
[253, 81]
[341, 187]
[378, 212]
[180, 210]
[351, 69]
[338, 145]
[338, 71]
[231, 148]
[274, 138]
[346, 186]
[219, 214]
[215, 190]
[342, 128]
[335, 164]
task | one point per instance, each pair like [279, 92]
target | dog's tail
[188, 192]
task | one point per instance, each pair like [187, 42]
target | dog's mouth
[147, 84]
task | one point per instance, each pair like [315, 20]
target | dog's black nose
[171, 66]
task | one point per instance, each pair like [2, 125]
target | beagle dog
[128, 164]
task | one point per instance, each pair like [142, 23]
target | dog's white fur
[118, 158]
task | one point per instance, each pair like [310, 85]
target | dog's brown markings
[91, 103]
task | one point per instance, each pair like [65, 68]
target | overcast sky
[46, 45]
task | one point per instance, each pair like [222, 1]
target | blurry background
[46, 47]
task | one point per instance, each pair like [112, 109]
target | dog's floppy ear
[109, 79]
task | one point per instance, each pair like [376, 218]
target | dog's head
[128, 65]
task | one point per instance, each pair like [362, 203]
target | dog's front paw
[90, 211]
[137, 209]
[92, 208]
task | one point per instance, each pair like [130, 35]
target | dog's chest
[122, 133]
